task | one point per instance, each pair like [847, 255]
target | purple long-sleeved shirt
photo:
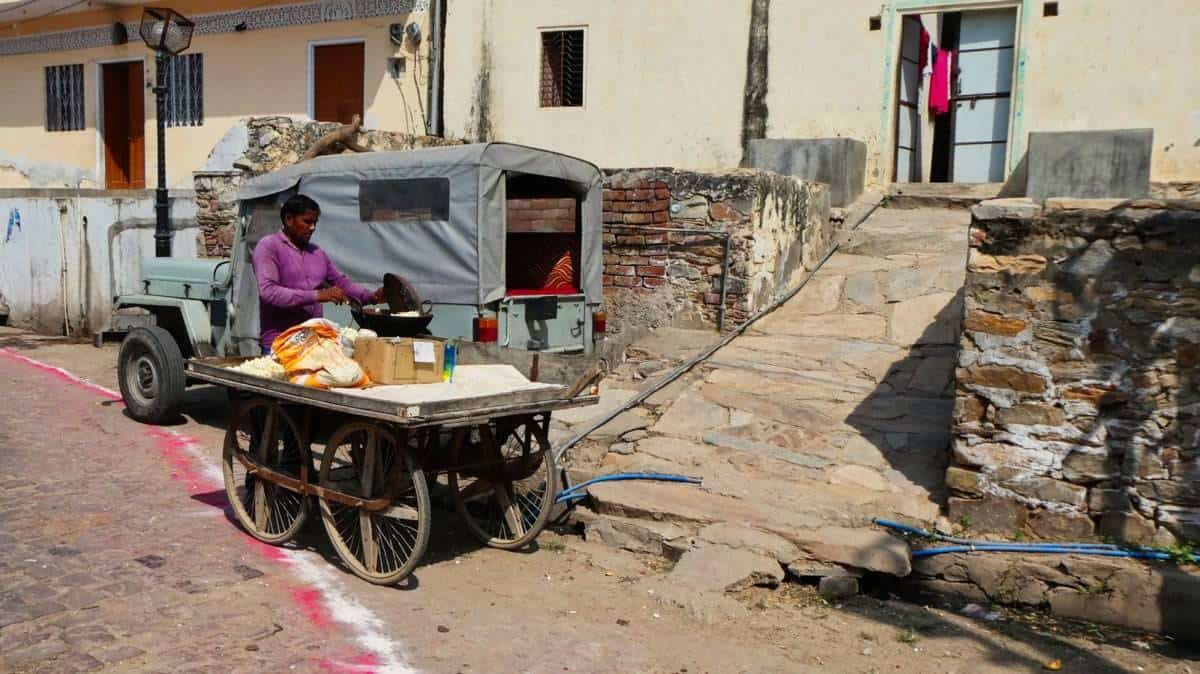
[288, 278]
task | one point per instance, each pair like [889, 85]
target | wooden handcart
[369, 464]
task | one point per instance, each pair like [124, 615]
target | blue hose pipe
[967, 545]
[575, 492]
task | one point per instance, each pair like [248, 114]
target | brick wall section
[541, 215]
[776, 226]
[1078, 388]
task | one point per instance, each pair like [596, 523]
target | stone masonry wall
[1078, 387]
[779, 228]
[273, 143]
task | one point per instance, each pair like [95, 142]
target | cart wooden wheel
[263, 433]
[364, 461]
[506, 502]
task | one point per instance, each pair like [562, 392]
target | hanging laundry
[939, 87]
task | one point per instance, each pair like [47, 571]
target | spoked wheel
[506, 500]
[265, 435]
[364, 461]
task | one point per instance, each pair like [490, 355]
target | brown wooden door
[338, 82]
[124, 126]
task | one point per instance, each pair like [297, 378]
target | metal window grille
[64, 98]
[562, 69]
[185, 90]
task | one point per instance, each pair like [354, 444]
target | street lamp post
[168, 33]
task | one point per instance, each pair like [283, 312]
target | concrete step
[940, 195]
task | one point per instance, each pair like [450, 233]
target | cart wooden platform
[369, 464]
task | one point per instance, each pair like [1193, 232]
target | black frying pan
[387, 325]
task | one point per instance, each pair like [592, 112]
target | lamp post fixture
[168, 33]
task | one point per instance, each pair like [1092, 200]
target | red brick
[712, 298]
[655, 239]
[639, 195]
[719, 210]
[613, 217]
[659, 261]
[654, 250]
[638, 219]
[610, 239]
[631, 239]
[608, 280]
[613, 195]
[662, 193]
[652, 271]
[607, 205]
[661, 217]
[626, 281]
[609, 258]
[620, 270]
[654, 282]
[517, 204]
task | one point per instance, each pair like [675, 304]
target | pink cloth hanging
[939, 86]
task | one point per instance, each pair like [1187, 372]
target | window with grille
[64, 97]
[562, 68]
[185, 90]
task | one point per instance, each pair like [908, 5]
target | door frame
[101, 165]
[312, 72]
[1015, 146]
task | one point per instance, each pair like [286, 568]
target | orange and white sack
[311, 354]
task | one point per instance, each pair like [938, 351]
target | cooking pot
[386, 325]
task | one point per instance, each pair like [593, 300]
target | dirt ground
[569, 605]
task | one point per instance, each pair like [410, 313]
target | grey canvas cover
[453, 251]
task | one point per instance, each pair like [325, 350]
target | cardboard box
[401, 360]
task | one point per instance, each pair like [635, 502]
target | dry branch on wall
[342, 138]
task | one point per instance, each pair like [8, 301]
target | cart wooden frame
[371, 478]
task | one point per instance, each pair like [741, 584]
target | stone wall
[1078, 388]
[779, 227]
[273, 143]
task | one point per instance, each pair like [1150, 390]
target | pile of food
[316, 353]
[266, 367]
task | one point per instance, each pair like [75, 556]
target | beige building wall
[662, 85]
[664, 82]
[251, 73]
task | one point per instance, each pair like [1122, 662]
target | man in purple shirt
[295, 277]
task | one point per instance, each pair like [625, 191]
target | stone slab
[867, 549]
[742, 537]
[689, 416]
[1090, 164]
[722, 569]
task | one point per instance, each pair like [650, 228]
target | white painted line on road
[382, 652]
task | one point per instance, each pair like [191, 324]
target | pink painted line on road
[59, 373]
[319, 602]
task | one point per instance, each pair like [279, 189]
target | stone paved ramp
[832, 410]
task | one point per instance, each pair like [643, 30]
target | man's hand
[333, 294]
[378, 297]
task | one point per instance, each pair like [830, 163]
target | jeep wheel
[150, 371]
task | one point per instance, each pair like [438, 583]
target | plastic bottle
[449, 359]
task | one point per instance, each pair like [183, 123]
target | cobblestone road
[111, 558]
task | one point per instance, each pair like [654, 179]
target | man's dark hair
[297, 205]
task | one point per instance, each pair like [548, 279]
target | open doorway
[954, 82]
[123, 125]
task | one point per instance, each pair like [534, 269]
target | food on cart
[311, 354]
[266, 367]
[349, 335]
